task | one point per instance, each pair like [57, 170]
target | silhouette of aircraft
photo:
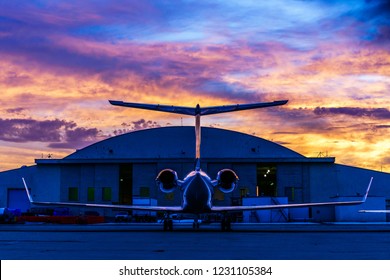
[197, 187]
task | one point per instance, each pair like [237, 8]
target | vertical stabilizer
[197, 136]
[197, 165]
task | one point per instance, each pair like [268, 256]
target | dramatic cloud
[62, 60]
[386, 160]
[136, 125]
[382, 126]
[15, 110]
[24, 130]
[77, 138]
[58, 133]
[377, 113]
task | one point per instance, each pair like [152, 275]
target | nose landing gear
[168, 225]
[195, 224]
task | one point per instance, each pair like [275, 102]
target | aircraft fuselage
[197, 193]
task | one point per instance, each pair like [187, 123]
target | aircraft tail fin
[197, 165]
[197, 111]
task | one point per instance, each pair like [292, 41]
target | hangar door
[266, 180]
[126, 184]
[17, 199]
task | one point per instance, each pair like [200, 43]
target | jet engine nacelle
[167, 180]
[226, 180]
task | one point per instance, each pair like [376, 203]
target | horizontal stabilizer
[163, 108]
[239, 107]
[198, 110]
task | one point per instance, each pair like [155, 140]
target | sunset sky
[60, 61]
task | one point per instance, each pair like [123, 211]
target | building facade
[122, 170]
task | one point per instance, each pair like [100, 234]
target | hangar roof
[179, 142]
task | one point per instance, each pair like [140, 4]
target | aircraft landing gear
[195, 224]
[226, 224]
[168, 225]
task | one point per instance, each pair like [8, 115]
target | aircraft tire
[168, 225]
[223, 225]
[226, 225]
[170, 222]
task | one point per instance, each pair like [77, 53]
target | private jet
[197, 187]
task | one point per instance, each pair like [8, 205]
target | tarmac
[236, 227]
[143, 241]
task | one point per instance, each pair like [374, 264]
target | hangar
[122, 170]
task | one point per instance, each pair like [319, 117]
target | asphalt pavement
[291, 241]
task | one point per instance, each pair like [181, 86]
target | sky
[61, 61]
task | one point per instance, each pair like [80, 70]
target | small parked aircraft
[197, 187]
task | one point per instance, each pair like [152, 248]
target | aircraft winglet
[27, 191]
[374, 211]
[368, 189]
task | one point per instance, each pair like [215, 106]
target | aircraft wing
[213, 209]
[103, 206]
[374, 211]
[284, 206]
[280, 206]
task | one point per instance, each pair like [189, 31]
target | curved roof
[179, 142]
